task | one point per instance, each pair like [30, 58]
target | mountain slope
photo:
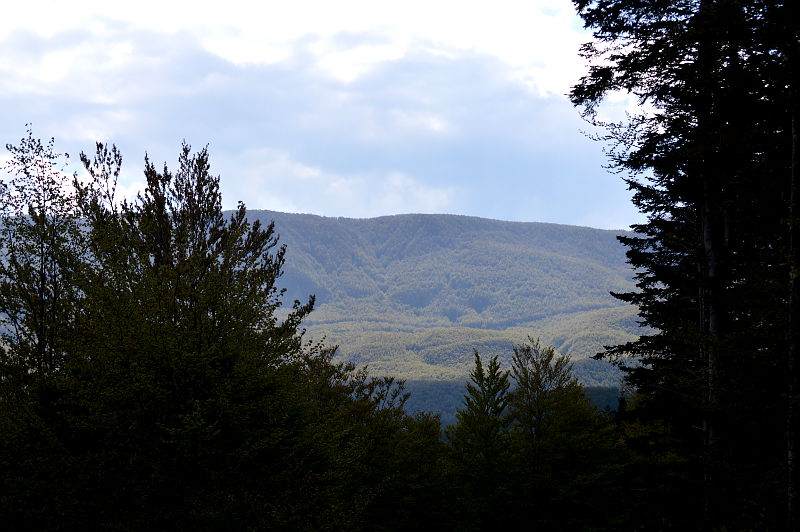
[412, 295]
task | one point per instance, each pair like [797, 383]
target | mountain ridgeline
[414, 295]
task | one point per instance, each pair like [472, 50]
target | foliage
[560, 444]
[479, 439]
[42, 240]
[544, 387]
[170, 394]
[412, 295]
[151, 379]
[712, 165]
[535, 454]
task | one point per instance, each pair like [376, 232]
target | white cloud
[346, 64]
[274, 180]
[86, 130]
[420, 121]
[370, 107]
[538, 39]
[130, 190]
[604, 217]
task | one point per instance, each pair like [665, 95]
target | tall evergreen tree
[710, 168]
[479, 440]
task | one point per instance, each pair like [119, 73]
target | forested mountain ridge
[413, 295]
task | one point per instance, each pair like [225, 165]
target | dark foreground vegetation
[446, 397]
[149, 378]
[714, 167]
[147, 383]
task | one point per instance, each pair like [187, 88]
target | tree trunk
[794, 316]
[789, 15]
[713, 170]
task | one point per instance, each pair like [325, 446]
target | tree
[710, 168]
[479, 440]
[545, 390]
[182, 394]
[42, 244]
[42, 241]
[142, 351]
[562, 449]
[182, 358]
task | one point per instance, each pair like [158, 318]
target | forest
[151, 380]
[413, 295]
[154, 375]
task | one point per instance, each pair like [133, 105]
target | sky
[346, 108]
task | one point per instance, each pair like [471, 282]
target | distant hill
[413, 295]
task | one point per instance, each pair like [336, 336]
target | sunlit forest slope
[413, 295]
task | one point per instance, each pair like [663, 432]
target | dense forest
[151, 380]
[414, 295]
[153, 374]
[713, 163]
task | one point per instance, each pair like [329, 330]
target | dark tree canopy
[151, 379]
[529, 450]
[712, 166]
[479, 441]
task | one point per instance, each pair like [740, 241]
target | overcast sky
[344, 108]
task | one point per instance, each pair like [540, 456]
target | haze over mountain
[413, 295]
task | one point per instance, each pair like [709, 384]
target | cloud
[349, 111]
[272, 179]
[539, 40]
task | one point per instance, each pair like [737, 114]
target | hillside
[413, 295]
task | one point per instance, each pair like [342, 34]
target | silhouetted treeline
[444, 397]
[713, 163]
[147, 382]
[149, 378]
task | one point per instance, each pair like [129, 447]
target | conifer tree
[482, 421]
[479, 440]
[710, 167]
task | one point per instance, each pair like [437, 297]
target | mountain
[413, 295]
